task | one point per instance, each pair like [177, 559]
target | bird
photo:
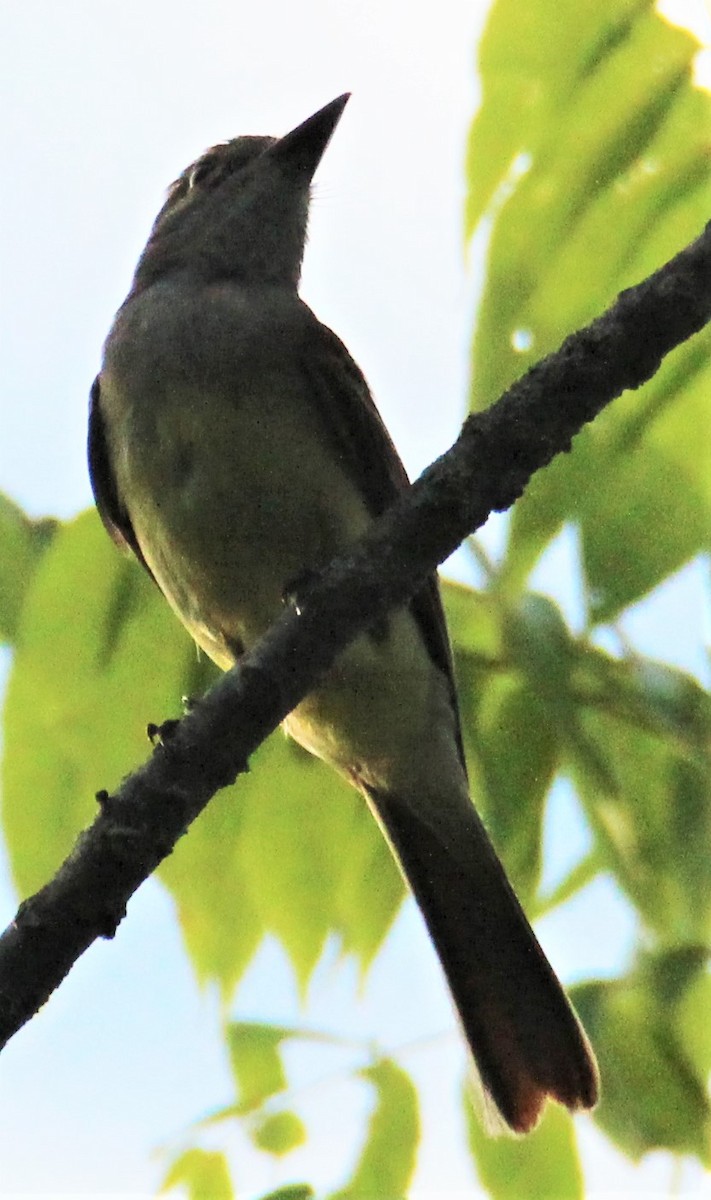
[234, 448]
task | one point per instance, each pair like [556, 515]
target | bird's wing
[524, 1036]
[366, 450]
[108, 501]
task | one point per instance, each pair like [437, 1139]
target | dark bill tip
[303, 148]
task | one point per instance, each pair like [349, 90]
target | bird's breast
[232, 485]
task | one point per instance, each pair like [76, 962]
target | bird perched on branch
[234, 448]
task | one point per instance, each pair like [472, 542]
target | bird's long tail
[526, 1040]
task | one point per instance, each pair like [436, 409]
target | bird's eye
[200, 172]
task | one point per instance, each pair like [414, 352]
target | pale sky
[104, 103]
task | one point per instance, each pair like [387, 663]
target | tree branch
[486, 470]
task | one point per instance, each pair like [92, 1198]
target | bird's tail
[526, 1040]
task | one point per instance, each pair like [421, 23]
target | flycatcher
[234, 447]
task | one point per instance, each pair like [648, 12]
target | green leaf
[679, 703]
[220, 924]
[647, 198]
[649, 510]
[312, 858]
[474, 622]
[202, 1173]
[552, 498]
[531, 62]
[580, 150]
[304, 835]
[292, 1191]
[636, 736]
[653, 1094]
[279, 1133]
[577, 878]
[98, 656]
[540, 644]
[693, 1022]
[518, 753]
[22, 544]
[543, 1164]
[255, 1056]
[638, 483]
[387, 1160]
[370, 890]
[254, 1049]
[600, 100]
[648, 522]
[646, 695]
[655, 827]
[669, 414]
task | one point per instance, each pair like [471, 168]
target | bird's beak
[301, 150]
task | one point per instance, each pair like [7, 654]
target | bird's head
[240, 210]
